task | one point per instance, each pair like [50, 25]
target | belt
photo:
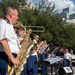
[3, 53]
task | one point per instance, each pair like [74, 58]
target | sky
[73, 1]
[60, 4]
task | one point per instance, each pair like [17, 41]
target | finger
[15, 66]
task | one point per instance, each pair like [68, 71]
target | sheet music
[67, 69]
[53, 60]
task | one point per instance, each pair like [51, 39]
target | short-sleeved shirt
[73, 56]
[7, 31]
[67, 55]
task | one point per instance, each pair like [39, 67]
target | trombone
[36, 28]
[33, 28]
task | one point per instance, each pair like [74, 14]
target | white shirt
[73, 56]
[7, 31]
[35, 41]
[67, 55]
[19, 40]
[35, 53]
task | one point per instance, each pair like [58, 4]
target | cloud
[61, 4]
[30, 1]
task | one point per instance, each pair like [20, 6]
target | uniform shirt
[67, 55]
[35, 41]
[35, 53]
[73, 56]
[7, 31]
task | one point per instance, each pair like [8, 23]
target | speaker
[65, 71]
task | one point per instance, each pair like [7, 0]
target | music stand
[51, 61]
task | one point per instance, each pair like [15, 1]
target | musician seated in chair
[67, 58]
[72, 54]
[73, 57]
[60, 53]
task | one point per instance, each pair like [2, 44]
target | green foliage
[56, 30]
[1, 13]
[12, 3]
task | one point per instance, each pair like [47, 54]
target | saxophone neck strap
[6, 20]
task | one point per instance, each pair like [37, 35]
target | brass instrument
[33, 28]
[22, 56]
[24, 52]
[19, 25]
[36, 28]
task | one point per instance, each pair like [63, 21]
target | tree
[56, 30]
[12, 3]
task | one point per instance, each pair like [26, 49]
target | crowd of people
[11, 41]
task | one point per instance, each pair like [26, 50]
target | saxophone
[22, 55]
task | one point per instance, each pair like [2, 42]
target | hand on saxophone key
[15, 61]
[14, 66]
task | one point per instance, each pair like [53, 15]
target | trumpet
[33, 28]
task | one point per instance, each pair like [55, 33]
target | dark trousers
[24, 71]
[66, 62]
[43, 67]
[32, 67]
[4, 64]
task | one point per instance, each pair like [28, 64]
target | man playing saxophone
[8, 40]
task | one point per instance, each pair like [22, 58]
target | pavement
[54, 73]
